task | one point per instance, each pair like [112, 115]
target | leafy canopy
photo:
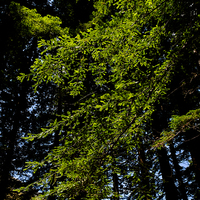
[131, 70]
[33, 24]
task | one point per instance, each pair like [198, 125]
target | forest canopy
[125, 108]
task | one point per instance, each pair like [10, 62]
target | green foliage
[179, 124]
[32, 23]
[122, 53]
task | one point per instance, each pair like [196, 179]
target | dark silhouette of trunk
[183, 194]
[194, 150]
[159, 123]
[144, 171]
[168, 181]
[196, 164]
[115, 185]
[192, 142]
[81, 196]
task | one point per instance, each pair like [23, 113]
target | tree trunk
[192, 142]
[183, 194]
[115, 185]
[159, 123]
[168, 181]
[144, 171]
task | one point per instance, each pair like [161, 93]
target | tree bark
[183, 194]
[168, 181]
[192, 142]
[159, 123]
[115, 185]
[144, 171]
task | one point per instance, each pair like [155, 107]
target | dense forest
[99, 99]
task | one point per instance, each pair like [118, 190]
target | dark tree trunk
[183, 194]
[144, 171]
[115, 185]
[168, 181]
[193, 143]
[160, 123]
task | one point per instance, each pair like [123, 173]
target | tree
[132, 57]
[18, 50]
